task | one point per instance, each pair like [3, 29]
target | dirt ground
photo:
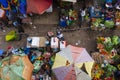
[49, 22]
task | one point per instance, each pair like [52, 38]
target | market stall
[97, 18]
[109, 18]
[107, 59]
[36, 42]
[105, 15]
[68, 16]
[102, 18]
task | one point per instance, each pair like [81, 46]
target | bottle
[41, 77]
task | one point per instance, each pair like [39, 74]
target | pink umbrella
[38, 6]
[69, 56]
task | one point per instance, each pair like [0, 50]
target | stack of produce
[97, 24]
[109, 66]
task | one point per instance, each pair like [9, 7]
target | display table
[54, 42]
[36, 42]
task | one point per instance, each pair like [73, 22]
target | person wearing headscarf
[5, 6]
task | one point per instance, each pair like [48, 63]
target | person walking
[23, 8]
[82, 16]
[83, 13]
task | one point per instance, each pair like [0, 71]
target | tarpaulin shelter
[38, 6]
[16, 68]
[69, 56]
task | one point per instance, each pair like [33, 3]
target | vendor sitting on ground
[60, 35]
[117, 6]
[109, 3]
[109, 13]
[63, 21]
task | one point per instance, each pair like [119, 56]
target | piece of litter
[34, 27]
[4, 31]
[76, 44]
[31, 23]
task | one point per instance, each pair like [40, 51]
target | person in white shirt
[83, 13]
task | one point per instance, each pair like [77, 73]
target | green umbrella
[15, 67]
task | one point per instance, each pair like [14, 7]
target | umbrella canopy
[38, 6]
[72, 55]
[16, 67]
[70, 73]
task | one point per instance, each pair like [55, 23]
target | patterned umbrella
[69, 56]
[16, 68]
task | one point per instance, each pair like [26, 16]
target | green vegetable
[109, 24]
[108, 46]
[108, 40]
[115, 40]
[109, 69]
[98, 22]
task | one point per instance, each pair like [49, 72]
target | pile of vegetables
[107, 44]
[96, 22]
[110, 62]
[109, 23]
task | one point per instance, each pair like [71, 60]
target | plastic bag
[11, 36]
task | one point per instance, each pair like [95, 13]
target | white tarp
[50, 9]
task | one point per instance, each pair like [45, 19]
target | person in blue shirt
[23, 7]
[5, 6]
